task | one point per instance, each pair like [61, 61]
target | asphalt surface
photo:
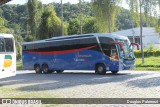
[86, 84]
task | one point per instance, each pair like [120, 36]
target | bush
[147, 53]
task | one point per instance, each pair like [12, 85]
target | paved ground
[86, 84]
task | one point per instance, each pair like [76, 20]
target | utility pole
[62, 26]
[133, 33]
[141, 3]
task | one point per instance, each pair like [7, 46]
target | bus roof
[110, 35]
[6, 35]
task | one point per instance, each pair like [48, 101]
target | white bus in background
[7, 56]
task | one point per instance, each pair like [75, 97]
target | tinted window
[107, 45]
[9, 45]
[6, 45]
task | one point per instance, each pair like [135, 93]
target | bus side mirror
[135, 44]
[120, 44]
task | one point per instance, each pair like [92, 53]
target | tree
[74, 26]
[50, 24]
[105, 12]
[149, 9]
[3, 29]
[35, 9]
[158, 20]
[90, 25]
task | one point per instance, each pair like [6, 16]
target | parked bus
[7, 56]
[99, 52]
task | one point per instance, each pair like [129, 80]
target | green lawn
[151, 63]
[19, 65]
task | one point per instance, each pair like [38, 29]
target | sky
[45, 1]
[57, 1]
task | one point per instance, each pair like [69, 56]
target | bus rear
[7, 56]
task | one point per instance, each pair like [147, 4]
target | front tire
[37, 69]
[100, 69]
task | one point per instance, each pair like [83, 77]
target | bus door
[119, 50]
[114, 58]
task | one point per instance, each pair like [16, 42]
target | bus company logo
[7, 61]
[6, 101]
[85, 56]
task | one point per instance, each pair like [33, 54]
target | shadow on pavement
[40, 82]
[145, 83]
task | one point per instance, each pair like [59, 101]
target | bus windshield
[127, 53]
[6, 45]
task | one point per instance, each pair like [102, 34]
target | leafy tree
[74, 26]
[105, 12]
[158, 19]
[148, 7]
[35, 9]
[29, 38]
[124, 20]
[90, 26]
[3, 29]
[50, 24]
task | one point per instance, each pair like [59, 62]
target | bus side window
[106, 45]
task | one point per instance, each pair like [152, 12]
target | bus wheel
[59, 71]
[37, 69]
[45, 69]
[114, 72]
[100, 69]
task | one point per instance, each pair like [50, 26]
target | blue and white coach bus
[99, 52]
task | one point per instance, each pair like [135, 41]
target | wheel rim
[45, 69]
[100, 69]
[37, 68]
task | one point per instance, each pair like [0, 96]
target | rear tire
[59, 71]
[100, 69]
[37, 69]
[45, 69]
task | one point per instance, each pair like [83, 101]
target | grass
[19, 65]
[151, 63]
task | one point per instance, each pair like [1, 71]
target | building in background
[150, 36]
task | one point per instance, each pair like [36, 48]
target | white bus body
[7, 56]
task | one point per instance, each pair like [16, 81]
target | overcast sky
[45, 1]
